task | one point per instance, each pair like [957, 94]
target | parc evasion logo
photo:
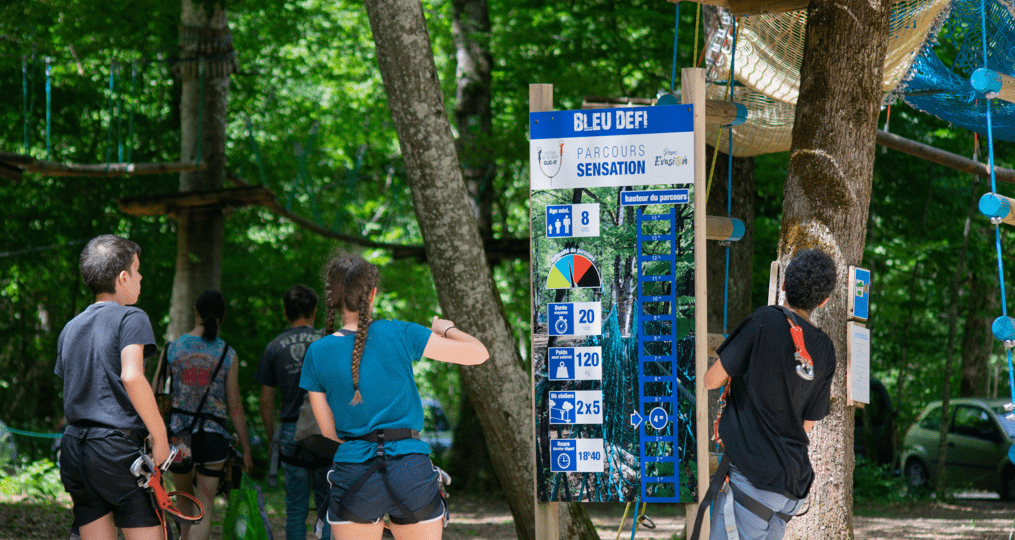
[670, 158]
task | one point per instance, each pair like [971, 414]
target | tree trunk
[825, 205]
[500, 388]
[470, 28]
[207, 61]
[977, 340]
[953, 316]
[741, 252]
[468, 463]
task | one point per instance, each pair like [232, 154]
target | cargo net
[945, 92]
[769, 52]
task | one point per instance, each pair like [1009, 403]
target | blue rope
[130, 123]
[49, 89]
[729, 187]
[993, 188]
[634, 526]
[119, 127]
[35, 434]
[24, 93]
[676, 33]
[109, 127]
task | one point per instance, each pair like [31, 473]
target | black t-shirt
[762, 425]
[88, 361]
[281, 365]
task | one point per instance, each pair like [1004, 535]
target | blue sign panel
[859, 300]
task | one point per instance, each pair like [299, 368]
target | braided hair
[347, 286]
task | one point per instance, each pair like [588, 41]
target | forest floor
[970, 516]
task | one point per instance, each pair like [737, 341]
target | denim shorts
[412, 478]
[95, 469]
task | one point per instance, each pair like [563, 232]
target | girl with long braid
[205, 375]
[363, 395]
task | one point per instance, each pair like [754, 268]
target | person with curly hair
[361, 388]
[778, 367]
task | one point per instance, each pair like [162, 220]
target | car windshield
[1009, 425]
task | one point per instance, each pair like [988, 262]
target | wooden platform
[13, 167]
[172, 203]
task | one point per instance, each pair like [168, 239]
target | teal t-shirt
[390, 397]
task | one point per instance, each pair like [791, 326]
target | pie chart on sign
[573, 271]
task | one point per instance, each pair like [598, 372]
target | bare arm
[808, 424]
[715, 376]
[237, 415]
[322, 413]
[268, 410]
[141, 397]
[449, 344]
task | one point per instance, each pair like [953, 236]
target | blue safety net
[945, 92]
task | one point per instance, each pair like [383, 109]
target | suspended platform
[13, 166]
[172, 204]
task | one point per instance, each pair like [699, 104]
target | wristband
[446, 330]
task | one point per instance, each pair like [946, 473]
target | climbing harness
[379, 464]
[806, 368]
[720, 481]
[149, 476]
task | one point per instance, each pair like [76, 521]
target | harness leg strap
[713, 490]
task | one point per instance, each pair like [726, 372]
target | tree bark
[741, 252]
[500, 388]
[977, 340]
[207, 62]
[953, 316]
[825, 205]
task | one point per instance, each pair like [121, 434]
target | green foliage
[39, 480]
[873, 482]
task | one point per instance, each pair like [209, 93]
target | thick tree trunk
[500, 388]
[977, 340]
[741, 252]
[470, 28]
[825, 205]
[953, 316]
[208, 60]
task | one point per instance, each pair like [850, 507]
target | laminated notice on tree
[612, 206]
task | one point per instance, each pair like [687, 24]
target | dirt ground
[970, 516]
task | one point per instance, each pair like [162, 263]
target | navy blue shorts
[412, 478]
[95, 469]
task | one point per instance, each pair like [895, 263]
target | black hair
[211, 307]
[810, 278]
[299, 301]
[102, 260]
[347, 285]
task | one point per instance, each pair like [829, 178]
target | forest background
[308, 119]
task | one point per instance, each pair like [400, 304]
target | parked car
[437, 430]
[979, 435]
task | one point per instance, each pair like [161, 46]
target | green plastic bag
[246, 518]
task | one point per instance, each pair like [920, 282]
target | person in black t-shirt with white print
[280, 367]
[779, 386]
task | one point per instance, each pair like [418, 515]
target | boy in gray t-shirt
[108, 403]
